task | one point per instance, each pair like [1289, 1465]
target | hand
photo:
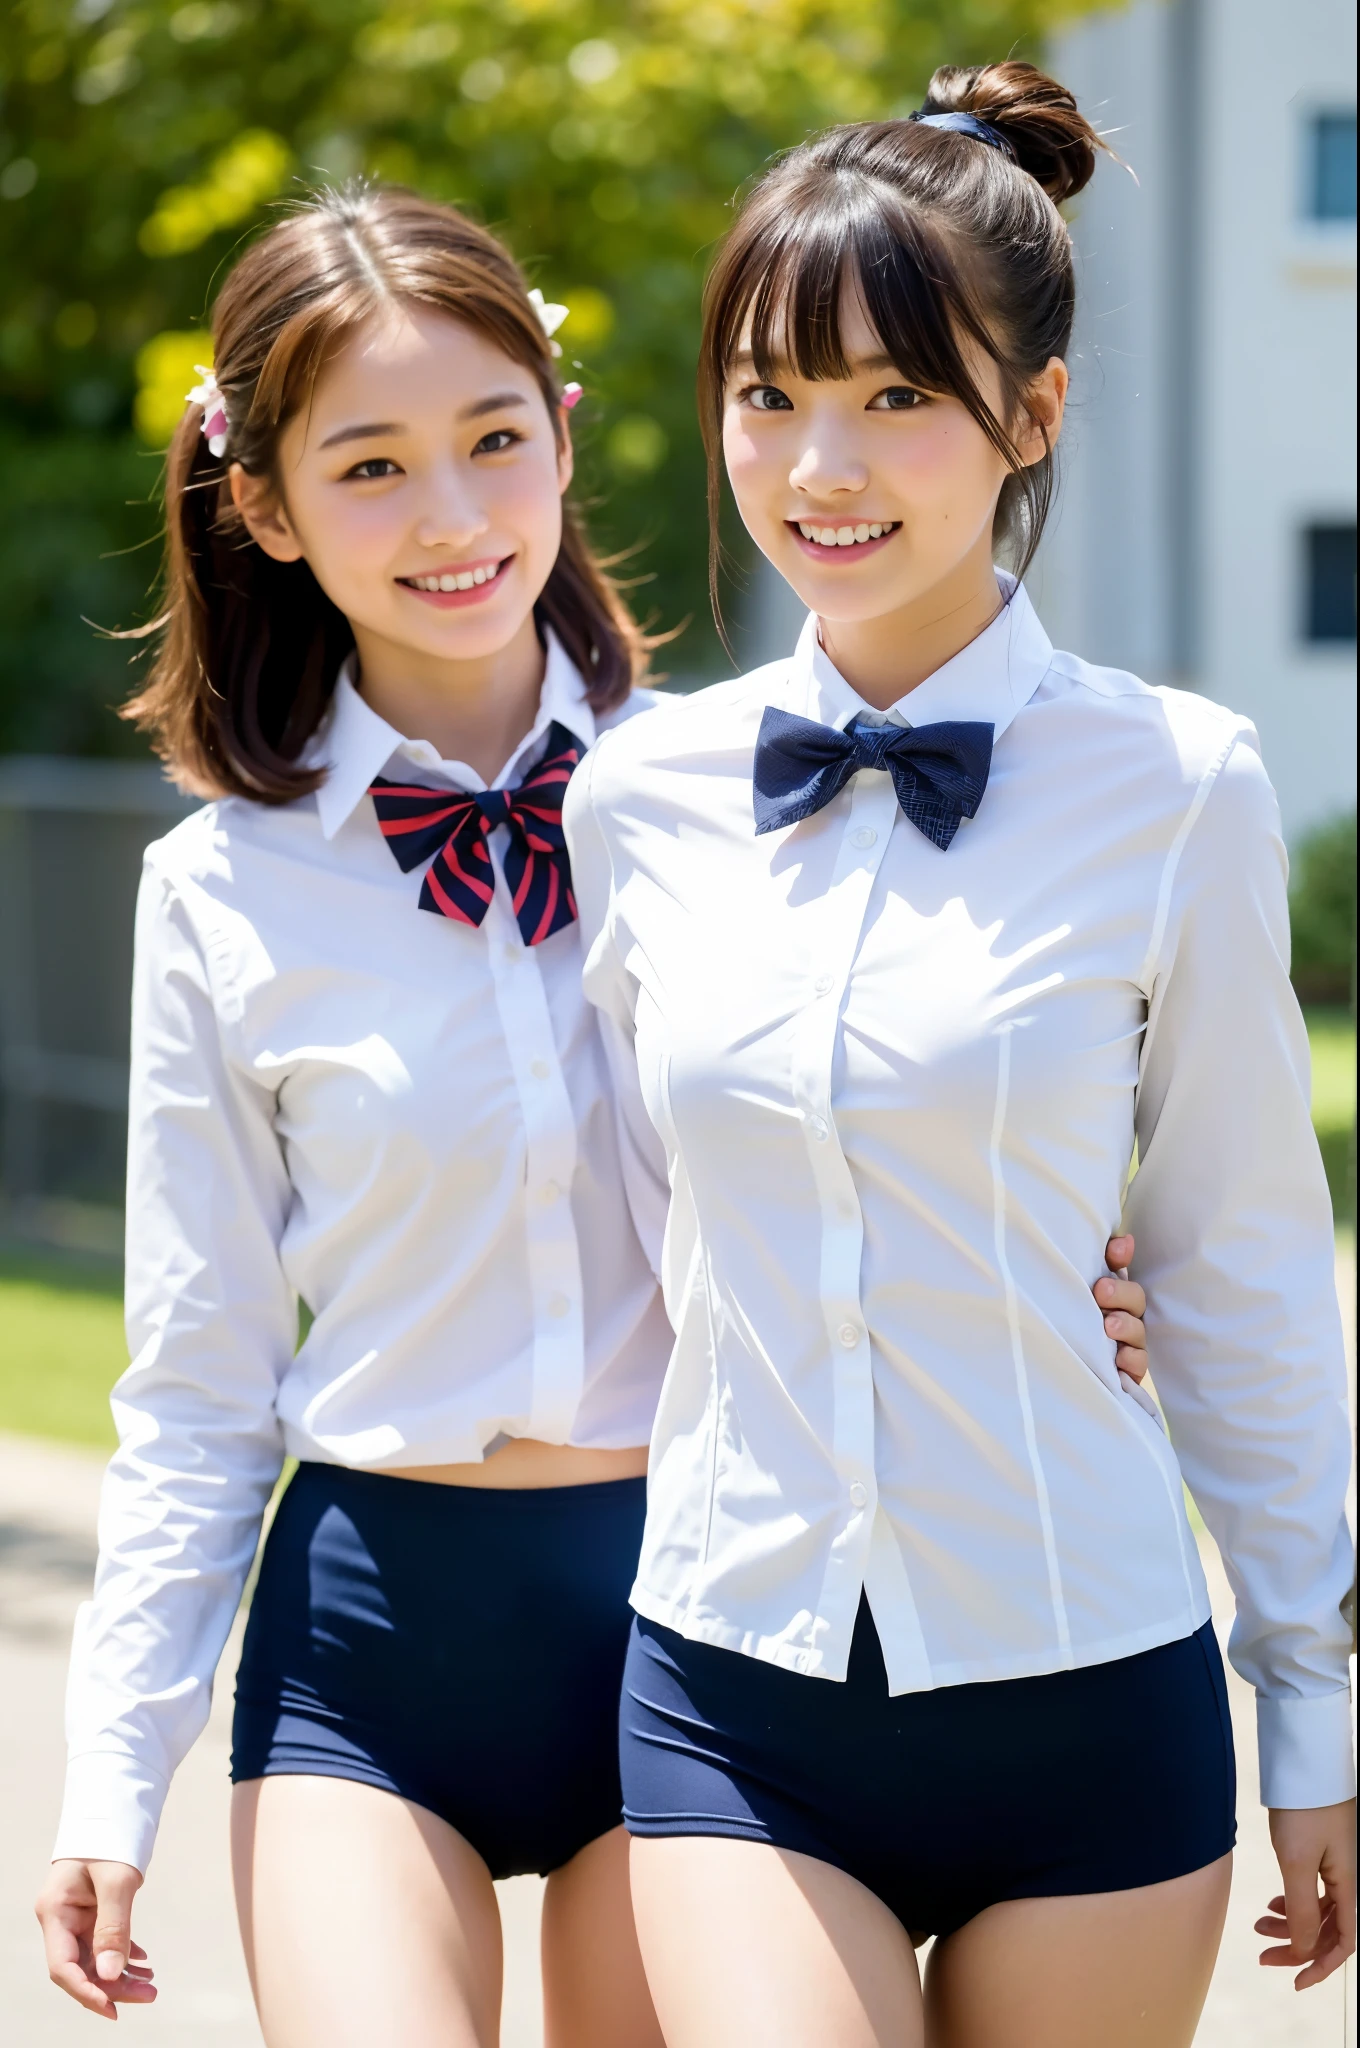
[1124, 1301]
[85, 1911]
[1312, 1843]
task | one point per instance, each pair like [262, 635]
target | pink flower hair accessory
[572, 394]
[214, 423]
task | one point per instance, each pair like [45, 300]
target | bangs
[850, 240]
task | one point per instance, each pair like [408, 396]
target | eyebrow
[375, 430]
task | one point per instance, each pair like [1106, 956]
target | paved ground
[47, 1511]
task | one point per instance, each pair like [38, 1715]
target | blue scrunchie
[967, 124]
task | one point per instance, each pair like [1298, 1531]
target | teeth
[845, 536]
[462, 579]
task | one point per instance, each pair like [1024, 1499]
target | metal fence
[72, 835]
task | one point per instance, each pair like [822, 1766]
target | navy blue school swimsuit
[461, 1647]
[946, 1802]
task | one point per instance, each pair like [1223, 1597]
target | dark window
[1332, 181]
[1329, 583]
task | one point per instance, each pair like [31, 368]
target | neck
[475, 711]
[883, 659]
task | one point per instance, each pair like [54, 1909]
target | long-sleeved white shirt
[403, 1120]
[897, 1093]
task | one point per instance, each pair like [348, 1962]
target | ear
[566, 455]
[264, 515]
[1045, 403]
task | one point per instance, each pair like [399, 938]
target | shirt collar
[354, 744]
[989, 680]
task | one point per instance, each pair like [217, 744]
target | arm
[1232, 1214]
[211, 1328]
[613, 993]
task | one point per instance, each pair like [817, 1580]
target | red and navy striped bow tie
[453, 826]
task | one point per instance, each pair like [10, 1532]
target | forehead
[420, 356]
[860, 342]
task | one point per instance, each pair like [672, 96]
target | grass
[61, 1349]
[1331, 1034]
[61, 1325]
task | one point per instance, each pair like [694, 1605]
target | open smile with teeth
[846, 536]
[461, 579]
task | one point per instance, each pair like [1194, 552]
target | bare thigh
[594, 1990]
[1125, 1969]
[746, 1946]
[367, 1922]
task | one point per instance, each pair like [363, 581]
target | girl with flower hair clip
[365, 1075]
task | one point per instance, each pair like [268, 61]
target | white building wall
[1214, 399]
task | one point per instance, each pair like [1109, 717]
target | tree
[140, 140]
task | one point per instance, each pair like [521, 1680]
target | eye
[497, 441]
[767, 398]
[371, 468]
[897, 398]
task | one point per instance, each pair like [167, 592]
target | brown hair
[947, 238]
[249, 647]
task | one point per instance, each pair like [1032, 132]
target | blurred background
[1206, 535]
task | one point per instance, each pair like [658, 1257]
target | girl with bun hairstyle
[907, 946]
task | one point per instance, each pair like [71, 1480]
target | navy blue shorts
[458, 1646]
[946, 1802]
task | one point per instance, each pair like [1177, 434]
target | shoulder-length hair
[249, 648]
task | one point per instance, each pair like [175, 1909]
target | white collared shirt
[897, 1092]
[403, 1120]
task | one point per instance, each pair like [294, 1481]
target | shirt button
[823, 984]
[859, 1493]
[817, 1127]
[510, 952]
[540, 1070]
[551, 1191]
[558, 1305]
[865, 836]
[849, 1334]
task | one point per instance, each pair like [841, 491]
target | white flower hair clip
[214, 423]
[550, 317]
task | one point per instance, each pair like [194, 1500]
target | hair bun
[1051, 137]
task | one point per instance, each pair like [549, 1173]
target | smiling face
[866, 494]
[422, 483]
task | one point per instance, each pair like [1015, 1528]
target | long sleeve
[1234, 1227]
[613, 994]
[211, 1325]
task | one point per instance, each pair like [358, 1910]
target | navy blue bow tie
[938, 771]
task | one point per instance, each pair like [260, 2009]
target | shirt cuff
[111, 1810]
[1307, 1750]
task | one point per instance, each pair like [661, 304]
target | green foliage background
[141, 140]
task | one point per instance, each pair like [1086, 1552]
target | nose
[826, 468]
[451, 514]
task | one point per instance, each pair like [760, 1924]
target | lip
[841, 556]
[460, 600]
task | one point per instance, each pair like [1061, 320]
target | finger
[1132, 1363]
[1272, 1925]
[68, 1975]
[1302, 1907]
[1331, 1954]
[1119, 1251]
[1126, 1330]
[1112, 1292]
[112, 1937]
